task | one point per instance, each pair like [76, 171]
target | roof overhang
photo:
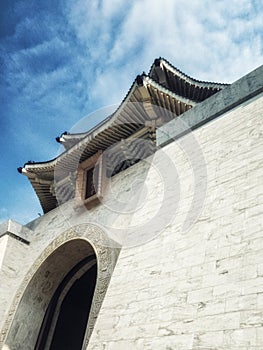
[147, 105]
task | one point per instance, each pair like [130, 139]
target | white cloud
[210, 40]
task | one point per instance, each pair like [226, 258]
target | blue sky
[62, 60]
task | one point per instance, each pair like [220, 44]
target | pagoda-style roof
[152, 101]
[173, 79]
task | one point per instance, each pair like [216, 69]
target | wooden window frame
[96, 162]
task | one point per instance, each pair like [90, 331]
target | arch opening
[73, 317]
[54, 310]
[66, 318]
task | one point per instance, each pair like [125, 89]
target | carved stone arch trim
[106, 261]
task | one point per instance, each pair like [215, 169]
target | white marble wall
[200, 289]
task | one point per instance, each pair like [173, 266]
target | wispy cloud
[217, 41]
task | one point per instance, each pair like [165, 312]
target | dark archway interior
[74, 311]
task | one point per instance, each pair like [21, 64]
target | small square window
[90, 181]
[90, 185]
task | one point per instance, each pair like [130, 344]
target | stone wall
[200, 289]
[172, 288]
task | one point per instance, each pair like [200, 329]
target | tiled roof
[170, 90]
[173, 79]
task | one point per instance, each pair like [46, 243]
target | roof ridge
[181, 74]
[138, 81]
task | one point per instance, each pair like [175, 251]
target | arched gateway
[63, 292]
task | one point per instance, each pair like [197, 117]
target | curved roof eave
[162, 61]
[106, 123]
[163, 89]
[87, 136]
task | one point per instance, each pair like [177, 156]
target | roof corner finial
[157, 62]
[20, 170]
[59, 139]
[139, 80]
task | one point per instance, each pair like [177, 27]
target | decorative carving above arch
[96, 238]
